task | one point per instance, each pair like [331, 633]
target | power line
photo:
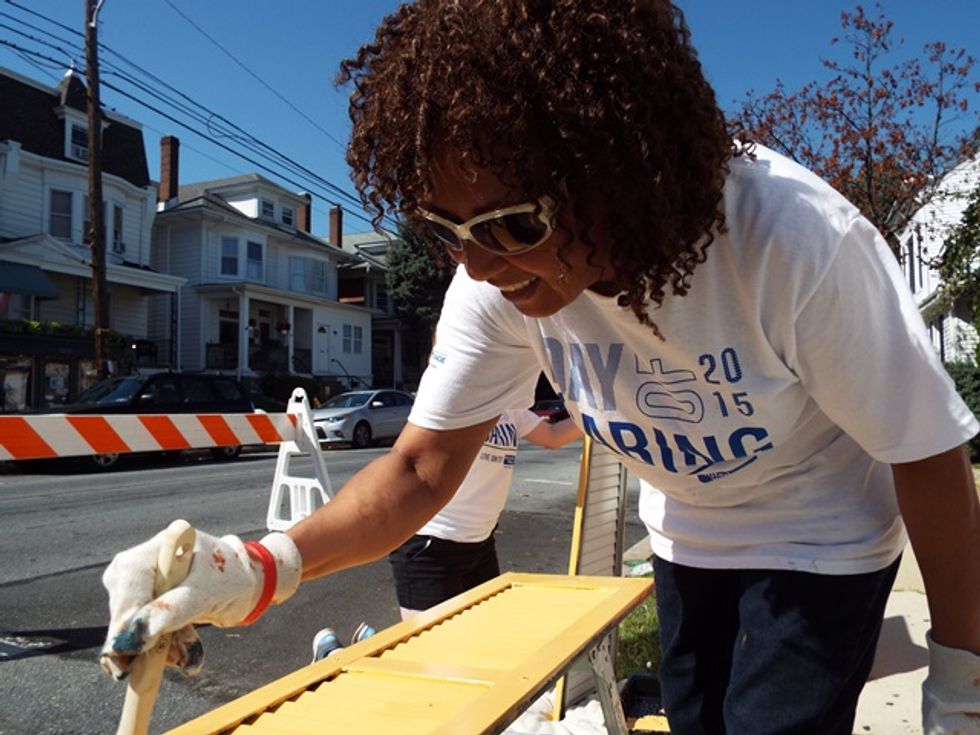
[190, 128]
[202, 115]
[255, 76]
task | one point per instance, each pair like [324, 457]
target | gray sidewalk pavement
[891, 700]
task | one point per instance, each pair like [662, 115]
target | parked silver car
[361, 416]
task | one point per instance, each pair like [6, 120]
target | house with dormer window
[261, 295]
[399, 355]
[949, 321]
[46, 314]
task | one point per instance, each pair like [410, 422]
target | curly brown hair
[578, 99]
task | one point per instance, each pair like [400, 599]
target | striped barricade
[64, 435]
[293, 497]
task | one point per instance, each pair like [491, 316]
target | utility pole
[100, 294]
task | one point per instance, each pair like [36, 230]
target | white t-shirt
[762, 427]
[473, 511]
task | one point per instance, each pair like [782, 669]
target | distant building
[262, 293]
[398, 357]
[950, 325]
[46, 314]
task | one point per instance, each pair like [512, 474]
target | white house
[261, 294]
[949, 324]
[46, 314]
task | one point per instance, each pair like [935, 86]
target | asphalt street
[60, 528]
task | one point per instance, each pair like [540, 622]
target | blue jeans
[765, 652]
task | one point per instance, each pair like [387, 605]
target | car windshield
[117, 390]
[347, 400]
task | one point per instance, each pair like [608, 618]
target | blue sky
[267, 68]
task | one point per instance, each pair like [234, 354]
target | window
[922, 253]
[381, 297]
[353, 339]
[287, 217]
[78, 146]
[267, 210]
[15, 306]
[196, 390]
[910, 261]
[297, 274]
[307, 275]
[229, 256]
[159, 392]
[117, 225]
[59, 217]
[318, 279]
[254, 261]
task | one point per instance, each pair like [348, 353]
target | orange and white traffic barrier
[293, 497]
[72, 435]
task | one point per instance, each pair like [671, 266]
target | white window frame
[77, 151]
[287, 215]
[271, 214]
[353, 339]
[118, 246]
[223, 256]
[318, 276]
[250, 261]
[70, 214]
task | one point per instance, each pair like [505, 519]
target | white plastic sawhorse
[294, 498]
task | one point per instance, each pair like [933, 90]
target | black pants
[763, 652]
[430, 570]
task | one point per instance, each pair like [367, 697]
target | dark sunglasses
[508, 231]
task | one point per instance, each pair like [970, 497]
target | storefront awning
[26, 279]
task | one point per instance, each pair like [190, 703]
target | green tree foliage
[415, 282]
[882, 129]
[967, 379]
[959, 261]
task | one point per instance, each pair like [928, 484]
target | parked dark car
[162, 393]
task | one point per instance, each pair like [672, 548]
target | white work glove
[951, 692]
[222, 587]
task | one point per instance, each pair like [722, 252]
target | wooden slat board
[597, 543]
[469, 665]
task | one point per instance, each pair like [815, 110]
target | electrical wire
[216, 124]
[186, 126]
[255, 76]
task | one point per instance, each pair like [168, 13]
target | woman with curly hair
[712, 312]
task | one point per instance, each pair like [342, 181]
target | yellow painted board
[477, 685]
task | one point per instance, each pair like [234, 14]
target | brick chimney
[169, 160]
[336, 226]
[304, 214]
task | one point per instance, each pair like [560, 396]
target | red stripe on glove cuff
[262, 555]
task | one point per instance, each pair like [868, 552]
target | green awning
[26, 279]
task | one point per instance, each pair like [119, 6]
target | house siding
[953, 337]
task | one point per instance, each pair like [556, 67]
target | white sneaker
[363, 631]
[324, 643]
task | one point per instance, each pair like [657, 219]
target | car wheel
[103, 461]
[225, 452]
[362, 435]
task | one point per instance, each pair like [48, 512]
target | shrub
[967, 379]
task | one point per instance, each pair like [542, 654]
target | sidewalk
[890, 703]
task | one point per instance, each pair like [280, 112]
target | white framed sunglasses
[507, 231]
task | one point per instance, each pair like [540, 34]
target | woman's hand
[223, 587]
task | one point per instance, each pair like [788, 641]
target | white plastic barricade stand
[294, 498]
[598, 538]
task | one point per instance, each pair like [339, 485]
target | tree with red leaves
[883, 132]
